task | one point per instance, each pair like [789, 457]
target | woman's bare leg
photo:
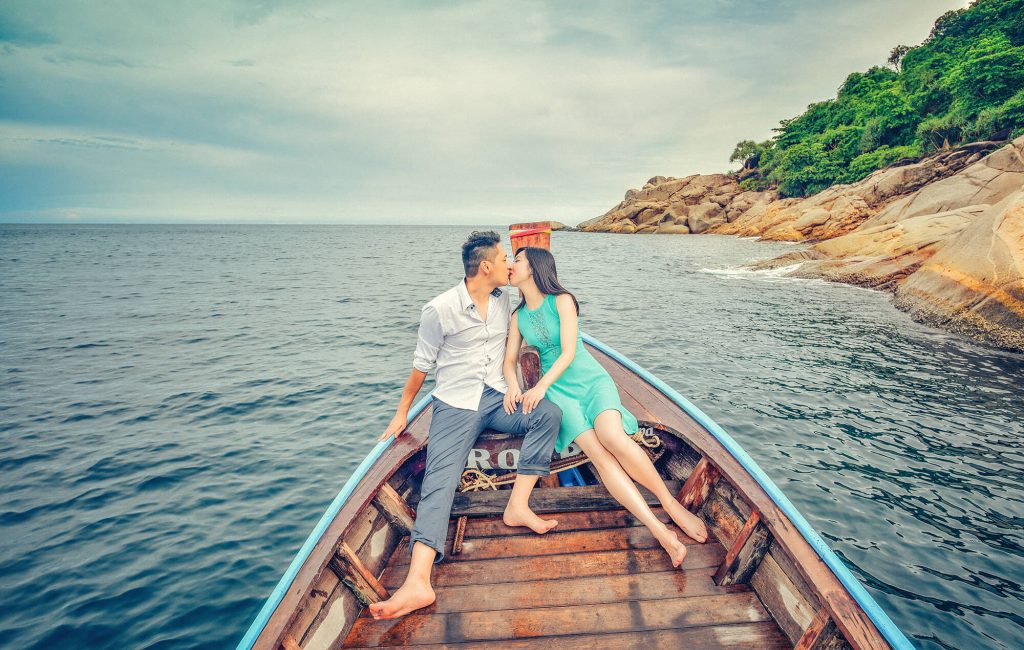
[636, 463]
[625, 492]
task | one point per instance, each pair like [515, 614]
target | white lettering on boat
[478, 459]
[507, 457]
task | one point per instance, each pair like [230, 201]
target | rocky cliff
[944, 234]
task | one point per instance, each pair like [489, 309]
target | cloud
[403, 111]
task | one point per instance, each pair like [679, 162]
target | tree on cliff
[896, 56]
[964, 83]
[746, 152]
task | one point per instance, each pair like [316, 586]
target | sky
[403, 112]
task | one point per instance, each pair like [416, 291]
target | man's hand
[512, 397]
[533, 397]
[397, 426]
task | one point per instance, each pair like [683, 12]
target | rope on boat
[645, 437]
[473, 480]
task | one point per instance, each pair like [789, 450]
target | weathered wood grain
[578, 591]
[746, 553]
[549, 567]
[739, 636]
[790, 609]
[555, 543]
[567, 521]
[491, 503]
[394, 508]
[698, 486]
[632, 616]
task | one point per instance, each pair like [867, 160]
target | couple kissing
[470, 337]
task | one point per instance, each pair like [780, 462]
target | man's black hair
[477, 249]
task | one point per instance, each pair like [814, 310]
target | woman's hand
[532, 398]
[512, 397]
[396, 427]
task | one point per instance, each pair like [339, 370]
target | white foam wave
[771, 275]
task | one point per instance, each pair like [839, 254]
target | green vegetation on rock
[965, 83]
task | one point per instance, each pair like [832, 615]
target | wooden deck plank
[567, 521]
[577, 591]
[555, 543]
[631, 616]
[491, 503]
[740, 636]
[549, 567]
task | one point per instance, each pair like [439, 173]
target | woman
[592, 415]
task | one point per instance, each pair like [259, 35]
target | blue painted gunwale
[881, 620]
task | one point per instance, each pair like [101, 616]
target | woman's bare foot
[516, 516]
[412, 595]
[689, 522]
[676, 549]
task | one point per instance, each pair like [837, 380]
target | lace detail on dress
[540, 327]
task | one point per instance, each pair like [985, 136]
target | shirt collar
[465, 301]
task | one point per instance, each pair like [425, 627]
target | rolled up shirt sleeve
[431, 336]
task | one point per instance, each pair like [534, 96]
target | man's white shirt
[464, 351]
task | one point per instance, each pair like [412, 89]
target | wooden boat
[764, 578]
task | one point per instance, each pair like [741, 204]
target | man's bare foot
[689, 522]
[412, 595]
[525, 517]
[676, 549]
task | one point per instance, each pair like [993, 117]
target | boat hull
[760, 547]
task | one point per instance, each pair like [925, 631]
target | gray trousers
[453, 432]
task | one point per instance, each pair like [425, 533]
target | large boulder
[672, 229]
[880, 256]
[987, 181]
[665, 199]
[744, 201]
[975, 284]
[703, 216]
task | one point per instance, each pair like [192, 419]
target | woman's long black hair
[542, 263]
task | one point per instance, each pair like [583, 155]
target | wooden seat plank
[567, 521]
[491, 503]
[556, 543]
[739, 636]
[631, 616]
[577, 591]
[549, 567]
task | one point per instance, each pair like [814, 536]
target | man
[462, 339]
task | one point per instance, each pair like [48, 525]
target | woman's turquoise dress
[585, 389]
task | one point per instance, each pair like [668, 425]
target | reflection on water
[179, 404]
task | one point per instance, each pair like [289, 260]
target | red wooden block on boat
[535, 233]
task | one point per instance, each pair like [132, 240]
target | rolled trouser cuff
[534, 470]
[438, 548]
